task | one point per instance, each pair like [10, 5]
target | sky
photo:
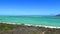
[29, 7]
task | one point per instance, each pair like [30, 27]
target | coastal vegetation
[23, 29]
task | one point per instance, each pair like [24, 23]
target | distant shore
[33, 25]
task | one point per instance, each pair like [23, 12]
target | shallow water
[37, 20]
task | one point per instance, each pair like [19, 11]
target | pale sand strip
[32, 25]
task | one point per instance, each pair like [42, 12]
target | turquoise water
[38, 20]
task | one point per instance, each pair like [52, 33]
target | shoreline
[32, 25]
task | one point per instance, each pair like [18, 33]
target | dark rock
[58, 15]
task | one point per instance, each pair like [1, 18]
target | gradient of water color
[37, 20]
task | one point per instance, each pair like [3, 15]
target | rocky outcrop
[23, 29]
[58, 15]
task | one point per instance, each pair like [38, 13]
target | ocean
[36, 20]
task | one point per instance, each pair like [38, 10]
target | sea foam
[32, 25]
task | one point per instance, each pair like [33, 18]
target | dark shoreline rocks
[23, 29]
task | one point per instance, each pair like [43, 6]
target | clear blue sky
[29, 7]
